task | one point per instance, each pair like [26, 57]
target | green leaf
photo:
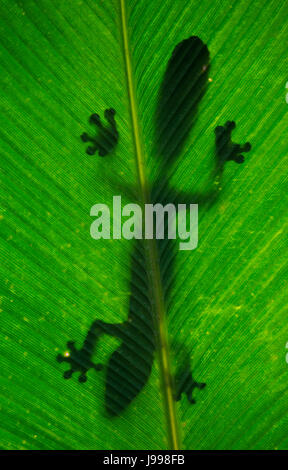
[218, 310]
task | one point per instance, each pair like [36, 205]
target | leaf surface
[221, 305]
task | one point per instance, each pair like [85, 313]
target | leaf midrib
[151, 251]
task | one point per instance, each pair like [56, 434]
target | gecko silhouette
[107, 137]
[130, 365]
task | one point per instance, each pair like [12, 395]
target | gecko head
[183, 86]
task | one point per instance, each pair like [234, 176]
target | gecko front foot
[107, 137]
[186, 384]
[226, 149]
[79, 360]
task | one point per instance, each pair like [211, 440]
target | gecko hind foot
[79, 360]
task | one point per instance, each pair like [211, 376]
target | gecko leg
[80, 360]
